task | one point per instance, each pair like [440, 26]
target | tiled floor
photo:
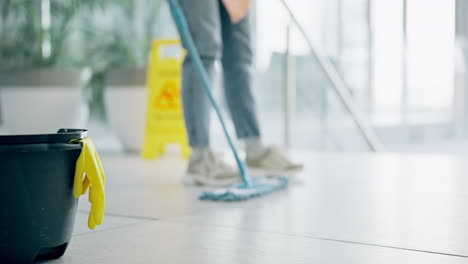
[344, 208]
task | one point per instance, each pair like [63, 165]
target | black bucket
[38, 209]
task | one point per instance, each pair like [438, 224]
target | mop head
[258, 187]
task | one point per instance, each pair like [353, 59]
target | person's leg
[237, 61]
[204, 24]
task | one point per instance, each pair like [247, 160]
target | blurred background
[82, 63]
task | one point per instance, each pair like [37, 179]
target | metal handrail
[340, 88]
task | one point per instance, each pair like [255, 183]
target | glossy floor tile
[392, 200]
[110, 222]
[147, 189]
[344, 208]
[165, 242]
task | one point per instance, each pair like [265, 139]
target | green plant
[123, 43]
[118, 36]
[24, 33]
[99, 34]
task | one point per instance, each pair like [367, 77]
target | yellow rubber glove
[90, 175]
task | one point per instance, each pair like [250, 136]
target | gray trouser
[218, 39]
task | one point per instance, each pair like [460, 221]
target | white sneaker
[209, 170]
[273, 160]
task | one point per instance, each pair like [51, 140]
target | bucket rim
[64, 135]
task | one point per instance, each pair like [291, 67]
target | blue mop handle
[181, 23]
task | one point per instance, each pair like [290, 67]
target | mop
[249, 187]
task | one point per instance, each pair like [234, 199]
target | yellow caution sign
[164, 118]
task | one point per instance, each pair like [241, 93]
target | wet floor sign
[164, 118]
